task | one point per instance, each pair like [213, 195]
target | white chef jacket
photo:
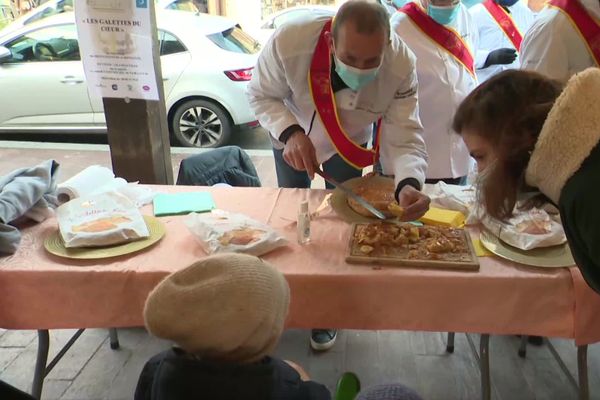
[280, 97]
[492, 37]
[443, 83]
[554, 48]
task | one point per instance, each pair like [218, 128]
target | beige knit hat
[228, 307]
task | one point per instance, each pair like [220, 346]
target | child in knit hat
[225, 314]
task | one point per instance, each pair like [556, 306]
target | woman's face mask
[444, 15]
[355, 78]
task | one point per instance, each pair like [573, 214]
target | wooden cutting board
[398, 256]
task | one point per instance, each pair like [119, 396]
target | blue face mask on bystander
[444, 15]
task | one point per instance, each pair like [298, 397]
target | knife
[350, 193]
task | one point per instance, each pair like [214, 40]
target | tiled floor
[91, 370]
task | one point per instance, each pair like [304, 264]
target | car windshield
[59, 7]
[235, 40]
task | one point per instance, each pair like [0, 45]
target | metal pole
[523, 346]
[582, 369]
[40, 363]
[450, 342]
[114, 338]
[484, 365]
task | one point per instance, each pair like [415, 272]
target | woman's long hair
[509, 111]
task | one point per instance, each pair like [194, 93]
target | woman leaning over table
[526, 133]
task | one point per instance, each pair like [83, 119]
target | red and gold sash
[506, 23]
[319, 82]
[446, 38]
[583, 22]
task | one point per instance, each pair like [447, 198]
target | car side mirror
[5, 54]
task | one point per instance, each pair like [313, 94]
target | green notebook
[183, 203]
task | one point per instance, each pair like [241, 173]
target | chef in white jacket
[554, 47]
[446, 76]
[496, 51]
[318, 88]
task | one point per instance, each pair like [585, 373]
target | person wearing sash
[564, 39]
[443, 36]
[501, 25]
[319, 86]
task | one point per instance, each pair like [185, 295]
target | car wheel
[201, 123]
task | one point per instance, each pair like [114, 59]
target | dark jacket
[565, 166]
[228, 164]
[174, 375]
[579, 207]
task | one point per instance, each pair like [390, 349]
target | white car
[270, 24]
[206, 62]
[53, 7]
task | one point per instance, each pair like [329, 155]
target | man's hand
[300, 153]
[501, 57]
[415, 203]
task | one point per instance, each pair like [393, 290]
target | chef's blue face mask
[355, 78]
[444, 15]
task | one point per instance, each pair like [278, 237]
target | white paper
[515, 230]
[452, 197]
[87, 182]
[115, 42]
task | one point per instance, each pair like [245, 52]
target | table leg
[523, 346]
[484, 365]
[582, 369]
[40, 363]
[450, 342]
[114, 338]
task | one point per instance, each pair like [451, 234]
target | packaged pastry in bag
[224, 232]
[100, 220]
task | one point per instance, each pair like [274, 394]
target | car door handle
[71, 80]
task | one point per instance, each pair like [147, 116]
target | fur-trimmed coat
[565, 166]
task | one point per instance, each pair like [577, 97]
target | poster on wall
[115, 42]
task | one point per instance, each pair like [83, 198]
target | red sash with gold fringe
[584, 24]
[446, 38]
[319, 82]
[506, 23]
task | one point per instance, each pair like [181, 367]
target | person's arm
[481, 52]
[267, 91]
[544, 51]
[402, 148]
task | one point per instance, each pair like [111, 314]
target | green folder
[183, 203]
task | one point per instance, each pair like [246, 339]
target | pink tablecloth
[40, 291]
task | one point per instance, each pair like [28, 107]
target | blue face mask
[353, 77]
[471, 3]
[444, 15]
